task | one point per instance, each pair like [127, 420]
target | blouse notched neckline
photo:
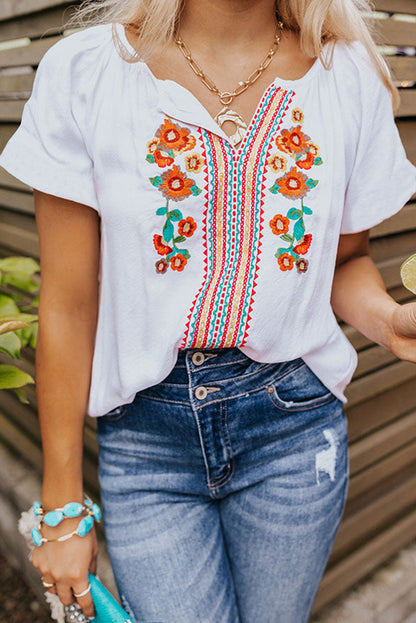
[204, 246]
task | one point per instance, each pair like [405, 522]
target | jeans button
[201, 393]
[198, 358]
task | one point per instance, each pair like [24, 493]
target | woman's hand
[66, 564]
[403, 332]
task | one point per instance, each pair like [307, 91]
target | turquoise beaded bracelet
[55, 517]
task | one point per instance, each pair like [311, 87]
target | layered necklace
[226, 97]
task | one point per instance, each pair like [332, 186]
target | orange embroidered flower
[186, 227]
[314, 149]
[276, 163]
[306, 161]
[161, 245]
[194, 163]
[161, 266]
[152, 146]
[297, 115]
[286, 261]
[293, 185]
[175, 184]
[293, 141]
[302, 265]
[178, 262]
[279, 224]
[303, 244]
[172, 136]
[162, 158]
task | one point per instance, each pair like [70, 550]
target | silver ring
[87, 590]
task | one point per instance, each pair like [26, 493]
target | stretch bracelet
[82, 530]
[54, 517]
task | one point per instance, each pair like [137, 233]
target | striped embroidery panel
[233, 223]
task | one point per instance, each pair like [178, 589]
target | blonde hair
[318, 22]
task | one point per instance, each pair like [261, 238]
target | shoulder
[351, 62]
[77, 52]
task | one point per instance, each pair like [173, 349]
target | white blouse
[204, 245]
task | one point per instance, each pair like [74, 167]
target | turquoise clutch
[107, 609]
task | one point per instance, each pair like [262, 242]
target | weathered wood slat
[370, 415]
[16, 200]
[48, 22]
[408, 109]
[402, 221]
[19, 241]
[11, 9]
[374, 447]
[383, 249]
[380, 381]
[396, 6]
[6, 131]
[372, 359]
[16, 83]
[28, 54]
[376, 474]
[11, 111]
[8, 181]
[365, 559]
[395, 32]
[402, 67]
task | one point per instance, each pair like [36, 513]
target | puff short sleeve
[48, 151]
[381, 178]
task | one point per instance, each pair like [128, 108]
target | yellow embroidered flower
[276, 163]
[152, 146]
[194, 162]
[314, 149]
[297, 115]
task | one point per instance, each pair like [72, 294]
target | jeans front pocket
[299, 390]
[115, 414]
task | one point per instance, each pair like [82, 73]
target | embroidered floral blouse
[204, 245]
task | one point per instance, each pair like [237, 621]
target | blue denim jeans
[222, 489]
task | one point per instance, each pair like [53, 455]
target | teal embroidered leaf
[179, 239]
[168, 231]
[169, 255]
[175, 215]
[280, 252]
[299, 229]
[274, 189]
[287, 238]
[307, 210]
[185, 252]
[156, 181]
[150, 158]
[318, 161]
[312, 183]
[294, 213]
[161, 211]
[195, 190]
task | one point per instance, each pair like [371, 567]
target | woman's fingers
[48, 583]
[84, 598]
[65, 593]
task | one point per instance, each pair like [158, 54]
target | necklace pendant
[226, 114]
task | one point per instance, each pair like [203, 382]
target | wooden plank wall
[380, 516]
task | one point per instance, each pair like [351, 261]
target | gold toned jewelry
[226, 97]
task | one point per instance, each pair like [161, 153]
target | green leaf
[11, 377]
[25, 265]
[8, 306]
[318, 161]
[287, 238]
[34, 336]
[6, 326]
[10, 344]
[195, 190]
[312, 183]
[20, 280]
[24, 335]
[299, 229]
[294, 213]
[307, 210]
[23, 317]
[150, 158]
[179, 239]
[161, 211]
[280, 252]
[184, 252]
[21, 394]
[35, 302]
[274, 189]
[175, 215]
[172, 254]
[156, 181]
[168, 231]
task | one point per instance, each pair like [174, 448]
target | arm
[69, 253]
[359, 297]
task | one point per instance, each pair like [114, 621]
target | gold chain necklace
[226, 97]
